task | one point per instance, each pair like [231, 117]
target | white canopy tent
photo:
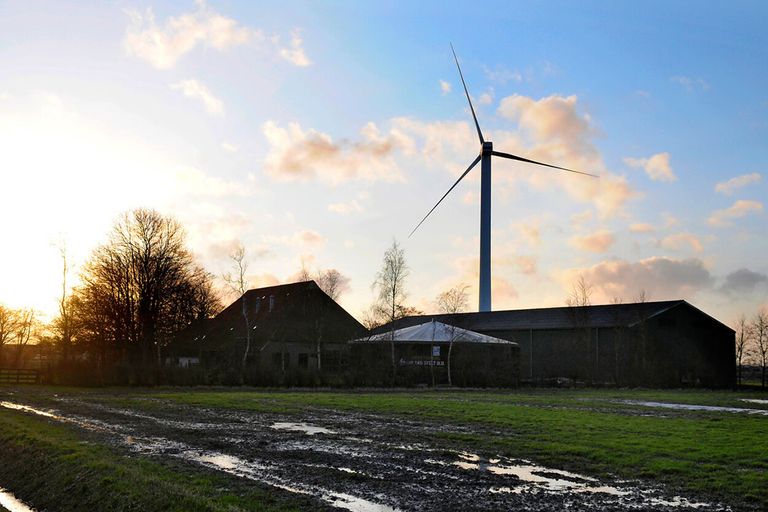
[430, 332]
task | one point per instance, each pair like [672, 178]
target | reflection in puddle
[694, 407]
[755, 401]
[308, 429]
[10, 502]
[534, 478]
[26, 408]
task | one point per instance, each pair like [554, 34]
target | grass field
[719, 455]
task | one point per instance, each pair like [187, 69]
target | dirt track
[362, 462]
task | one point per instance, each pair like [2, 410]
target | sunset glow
[320, 132]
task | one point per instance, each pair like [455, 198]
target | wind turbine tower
[486, 152]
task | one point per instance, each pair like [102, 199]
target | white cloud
[662, 278]
[728, 187]
[553, 130]
[689, 83]
[226, 146]
[445, 87]
[600, 241]
[195, 90]
[502, 75]
[681, 241]
[722, 218]
[657, 167]
[163, 46]
[641, 227]
[298, 154]
[295, 53]
[486, 98]
[352, 206]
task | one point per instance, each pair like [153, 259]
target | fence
[19, 376]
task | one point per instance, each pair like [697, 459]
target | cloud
[680, 241]
[502, 75]
[662, 278]
[303, 238]
[295, 52]
[345, 208]
[486, 98]
[599, 241]
[163, 46]
[743, 280]
[641, 227]
[445, 87]
[657, 167]
[728, 187]
[554, 119]
[553, 130]
[226, 146]
[298, 154]
[689, 83]
[196, 90]
[526, 264]
[722, 218]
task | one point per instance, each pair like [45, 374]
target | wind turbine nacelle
[487, 146]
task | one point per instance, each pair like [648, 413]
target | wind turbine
[486, 151]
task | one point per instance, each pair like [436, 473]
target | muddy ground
[356, 461]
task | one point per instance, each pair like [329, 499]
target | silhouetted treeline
[138, 289]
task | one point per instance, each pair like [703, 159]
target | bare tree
[743, 338]
[760, 333]
[238, 282]
[578, 299]
[391, 292]
[62, 325]
[136, 282]
[332, 282]
[9, 325]
[26, 326]
[454, 300]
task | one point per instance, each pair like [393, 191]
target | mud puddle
[694, 407]
[12, 503]
[356, 461]
[754, 401]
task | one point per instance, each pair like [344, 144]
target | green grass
[54, 468]
[718, 455]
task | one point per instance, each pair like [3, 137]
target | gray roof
[433, 331]
[607, 315]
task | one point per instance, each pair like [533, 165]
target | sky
[316, 133]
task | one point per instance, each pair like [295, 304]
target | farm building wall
[670, 344]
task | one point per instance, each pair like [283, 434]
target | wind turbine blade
[521, 159]
[477, 125]
[474, 163]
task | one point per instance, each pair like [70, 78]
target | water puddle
[694, 407]
[308, 429]
[26, 408]
[754, 401]
[12, 503]
[531, 478]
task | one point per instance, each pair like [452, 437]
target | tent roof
[435, 332]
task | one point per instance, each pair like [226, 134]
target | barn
[653, 344]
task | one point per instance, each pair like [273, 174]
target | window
[271, 303]
[277, 359]
[304, 361]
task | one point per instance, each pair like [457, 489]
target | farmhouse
[661, 344]
[295, 334]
